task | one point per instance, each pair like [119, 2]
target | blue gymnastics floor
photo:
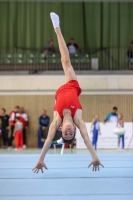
[67, 177]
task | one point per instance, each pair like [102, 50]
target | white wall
[91, 83]
[107, 139]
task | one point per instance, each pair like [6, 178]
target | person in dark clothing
[130, 55]
[73, 47]
[4, 127]
[50, 48]
[43, 122]
[130, 51]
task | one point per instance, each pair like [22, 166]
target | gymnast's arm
[92, 123]
[122, 124]
[83, 130]
[52, 131]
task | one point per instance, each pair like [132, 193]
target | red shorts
[19, 139]
[67, 98]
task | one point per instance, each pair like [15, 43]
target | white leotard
[19, 126]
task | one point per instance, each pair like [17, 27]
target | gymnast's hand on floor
[95, 164]
[40, 164]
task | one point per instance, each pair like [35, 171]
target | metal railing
[109, 60]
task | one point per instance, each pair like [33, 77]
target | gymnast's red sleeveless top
[67, 98]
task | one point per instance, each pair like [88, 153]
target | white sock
[55, 19]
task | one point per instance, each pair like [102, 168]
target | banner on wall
[107, 139]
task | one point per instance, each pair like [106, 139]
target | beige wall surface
[51, 83]
[100, 94]
[92, 104]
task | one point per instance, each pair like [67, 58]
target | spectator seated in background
[113, 116]
[73, 47]
[49, 49]
[130, 55]
[43, 122]
[4, 127]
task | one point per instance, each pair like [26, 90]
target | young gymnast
[18, 133]
[95, 129]
[67, 109]
[120, 124]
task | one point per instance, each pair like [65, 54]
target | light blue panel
[71, 197]
[71, 186]
[66, 173]
[67, 178]
[62, 164]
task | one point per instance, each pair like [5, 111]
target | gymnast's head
[68, 132]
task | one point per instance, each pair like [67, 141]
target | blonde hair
[96, 114]
[120, 115]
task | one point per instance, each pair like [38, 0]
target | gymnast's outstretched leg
[65, 59]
